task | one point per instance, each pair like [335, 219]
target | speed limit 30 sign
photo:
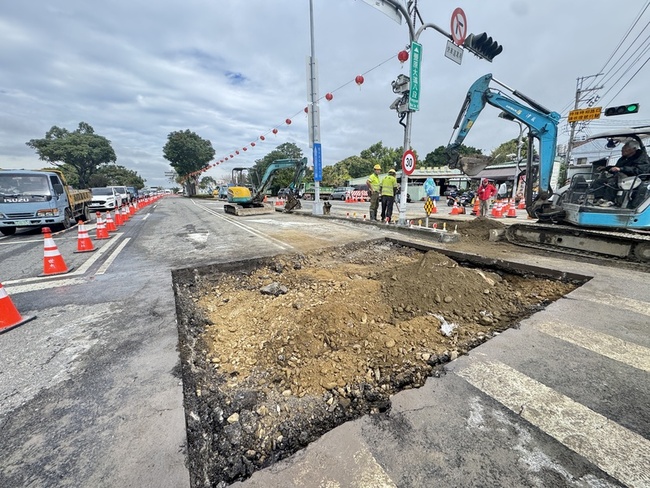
[408, 162]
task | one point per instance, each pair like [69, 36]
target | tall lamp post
[314, 118]
[520, 144]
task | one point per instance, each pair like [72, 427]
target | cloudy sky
[232, 70]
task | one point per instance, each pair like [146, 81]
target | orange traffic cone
[110, 224]
[131, 208]
[118, 217]
[477, 207]
[455, 210]
[125, 214]
[84, 244]
[53, 263]
[9, 316]
[512, 211]
[522, 204]
[101, 231]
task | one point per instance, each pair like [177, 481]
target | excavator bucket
[254, 209]
[293, 203]
[473, 165]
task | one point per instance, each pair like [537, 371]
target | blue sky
[233, 70]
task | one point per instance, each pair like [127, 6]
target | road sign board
[454, 52]
[585, 114]
[416, 62]
[318, 162]
[408, 162]
[458, 26]
[428, 206]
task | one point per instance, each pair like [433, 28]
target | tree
[207, 183]
[438, 157]
[386, 157]
[81, 149]
[115, 175]
[187, 152]
[507, 152]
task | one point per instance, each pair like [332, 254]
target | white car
[105, 199]
[123, 192]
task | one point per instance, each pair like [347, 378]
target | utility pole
[314, 117]
[579, 93]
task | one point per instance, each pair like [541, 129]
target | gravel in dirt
[278, 352]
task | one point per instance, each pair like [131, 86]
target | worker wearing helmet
[388, 190]
[374, 184]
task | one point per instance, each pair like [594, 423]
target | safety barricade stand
[9, 315]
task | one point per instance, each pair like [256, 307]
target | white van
[123, 193]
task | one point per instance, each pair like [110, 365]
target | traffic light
[630, 108]
[483, 46]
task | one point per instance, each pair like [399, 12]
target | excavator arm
[300, 166]
[541, 123]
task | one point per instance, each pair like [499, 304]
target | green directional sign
[416, 62]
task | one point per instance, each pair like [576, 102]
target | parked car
[123, 192]
[133, 193]
[283, 192]
[341, 192]
[104, 199]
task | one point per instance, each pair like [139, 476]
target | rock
[453, 355]
[286, 393]
[485, 320]
[233, 418]
[390, 343]
[448, 299]
[275, 289]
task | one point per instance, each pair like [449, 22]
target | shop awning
[500, 174]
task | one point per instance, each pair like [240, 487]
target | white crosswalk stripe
[621, 453]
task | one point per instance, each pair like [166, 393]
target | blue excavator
[568, 220]
[245, 199]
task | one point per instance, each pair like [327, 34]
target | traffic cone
[131, 209]
[118, 217]
[434, 209]
[9, 315]
[125, 214]
[477, 207]
[512, 211]
[84, 244]
[101, 232]
[53, 263]
[455, 210]
[522, 204]
[110, 224]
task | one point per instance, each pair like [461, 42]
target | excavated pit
[277, 351]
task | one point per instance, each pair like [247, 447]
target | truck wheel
[68, 219]
[86, 213]
[8, 231]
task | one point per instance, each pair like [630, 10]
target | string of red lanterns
[402, 56]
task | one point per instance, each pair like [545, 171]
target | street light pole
[314, 117]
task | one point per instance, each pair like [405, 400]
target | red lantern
[226, 159]
[245, 148]
[306, 110]
[403, 56]
[288, 121]
[359, 80]
[328, 97]
[261, 138]
[252, 144]
[231, 156]
[236, 152]
[275, 131]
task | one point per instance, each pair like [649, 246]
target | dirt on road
[277, 352]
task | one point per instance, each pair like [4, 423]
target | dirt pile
[282, 352]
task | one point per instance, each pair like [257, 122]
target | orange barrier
[53, 263]
[9, 315]
[84, 244]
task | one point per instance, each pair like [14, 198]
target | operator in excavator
[374, 185]
[633, 162]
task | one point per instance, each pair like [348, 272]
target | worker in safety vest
[388, 190]
[374, 185]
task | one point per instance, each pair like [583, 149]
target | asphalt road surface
[91, 394]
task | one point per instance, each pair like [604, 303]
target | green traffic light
[632, 108]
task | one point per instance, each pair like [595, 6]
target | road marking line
[617, 301]
[603, 344]
[102, 269]
[251, 230]
[616, 450]
[14, 290]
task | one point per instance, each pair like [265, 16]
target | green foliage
[81, 149]
[438, 157]
[507, 151]
[386, 157]
[113, 174]
[187, 152]
[207, 183]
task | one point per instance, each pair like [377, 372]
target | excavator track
[626, 246]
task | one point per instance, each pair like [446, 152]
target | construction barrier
[9, 315]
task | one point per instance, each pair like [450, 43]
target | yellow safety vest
[374, 182]
[388, 185]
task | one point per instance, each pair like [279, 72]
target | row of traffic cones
[53, 263]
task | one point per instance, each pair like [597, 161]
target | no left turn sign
[458, 26]
[408, 162]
